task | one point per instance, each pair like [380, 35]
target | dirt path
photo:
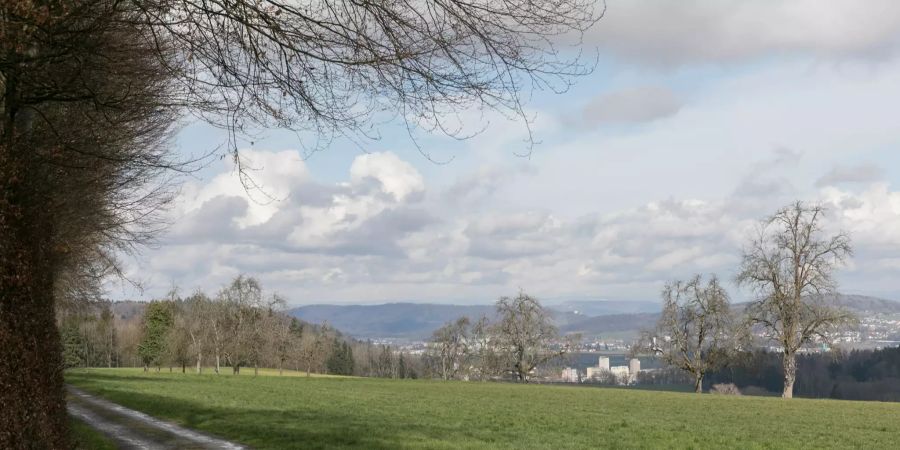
[132, 429]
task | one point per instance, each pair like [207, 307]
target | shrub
[725, 389]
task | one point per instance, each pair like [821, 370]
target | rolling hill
[389, 320]
[600, 318]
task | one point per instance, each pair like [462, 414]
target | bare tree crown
[790, 266]
[332, 66]
[696, 331]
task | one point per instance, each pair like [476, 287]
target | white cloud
[866, 173]
[367, 243]
[274, 174]
[722, 31]
[631, 105]
[396, 177]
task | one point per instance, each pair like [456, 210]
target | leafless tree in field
[484, 353]
[526, 335]
[450, 347]
[789, 265]
[280, 338]
[178, 342]
[696, 331]
[199, 317]
[91, 90]
[313, 349]
[242, 304]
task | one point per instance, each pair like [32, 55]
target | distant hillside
[419, 320]
[865, 305]
[606, 307]
[391, 320]
[632, 324]
[590, 318]
[619, 324]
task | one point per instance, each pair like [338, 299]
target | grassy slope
[294, 412]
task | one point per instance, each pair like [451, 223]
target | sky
[700, 119]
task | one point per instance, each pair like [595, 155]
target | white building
[603, 363]
[570, 375]
[623, 374]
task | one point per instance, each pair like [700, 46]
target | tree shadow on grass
[94, 376]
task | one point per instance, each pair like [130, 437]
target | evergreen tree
[157, 322]
[340, 362]
[296, 327]
[349, 364]
[335, 360]
[73, 346]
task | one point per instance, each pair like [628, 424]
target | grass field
[325, 412]
[86, 438]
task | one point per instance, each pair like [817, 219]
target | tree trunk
[183, 367]
[199, 361]
[33, 414]
[31, 368]
[790, 374]
[217, 361]
[698, 383]
[255, 369]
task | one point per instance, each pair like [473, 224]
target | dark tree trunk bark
[32, 395]
[698, 383]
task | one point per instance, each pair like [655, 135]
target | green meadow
[277, 412]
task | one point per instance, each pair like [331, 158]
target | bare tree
[89, 90]
[449, 345]
[218, 319]
[696, 331]
[484, 353]
[242, 303]
[281, 338]
[266, 318]
[331, 67]
[790, 265]
[199, 323]
[106, 329]
[312, 349]
[526, 335]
